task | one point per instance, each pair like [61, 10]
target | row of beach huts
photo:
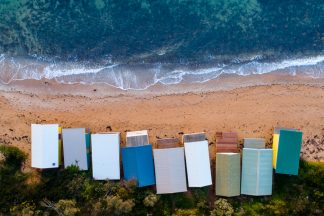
[172, 166]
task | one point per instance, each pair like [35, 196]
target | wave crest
[142, 76]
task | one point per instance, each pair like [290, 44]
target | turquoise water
[137, 43]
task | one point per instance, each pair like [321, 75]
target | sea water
[143, 75]
[136, 44]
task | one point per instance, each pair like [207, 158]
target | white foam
[142, 76]
[54, 71]
[255, 67]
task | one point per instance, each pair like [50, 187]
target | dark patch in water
[164, 31]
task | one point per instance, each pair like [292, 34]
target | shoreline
[225, 82]
[251, 111]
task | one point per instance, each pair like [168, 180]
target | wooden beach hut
[227, 142]
[167, 143]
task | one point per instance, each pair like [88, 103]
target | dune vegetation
[73, 192]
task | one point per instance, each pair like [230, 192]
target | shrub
[67, 207]
[186, 212]
[200, 197]
[275, 207]
[62, 207]
[13, 187]
[150, 200]
[113, 205]
[13, 157]
[73, 192]
[26, 209]
[223, 208]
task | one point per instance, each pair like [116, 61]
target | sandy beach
[252, 111]
[227, 71]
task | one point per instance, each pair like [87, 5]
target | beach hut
[228, 174]
[137, 138]
[44, 146]
[256, 172]
[167, 143]
[258, 143]
[138, 164]
[60, 143]
[226, 142]
[170, 170]
[286, 150]
[74, 148]
[88, 147]
[275, 142]
[198, 163]
[105, 156]
[194, 137]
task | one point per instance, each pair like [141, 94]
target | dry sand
[252, 111]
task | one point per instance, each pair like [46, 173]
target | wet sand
[251, 110]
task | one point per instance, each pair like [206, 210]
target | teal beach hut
[288, 154]
[138, 164]
[88, 145]
[256, 172]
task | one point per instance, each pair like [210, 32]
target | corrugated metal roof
[258, 143]
[137, 138]
[194, 137]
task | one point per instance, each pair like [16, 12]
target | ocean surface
[136, 44]
[143, 75]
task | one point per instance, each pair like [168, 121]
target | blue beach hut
[138, 164]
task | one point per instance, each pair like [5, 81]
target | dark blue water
[138, 43]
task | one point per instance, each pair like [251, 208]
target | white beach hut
[170, 170]
[105, 156]
[74, 147]
[44, 146]
[198, 164]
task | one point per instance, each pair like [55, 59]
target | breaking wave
[143, 75]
